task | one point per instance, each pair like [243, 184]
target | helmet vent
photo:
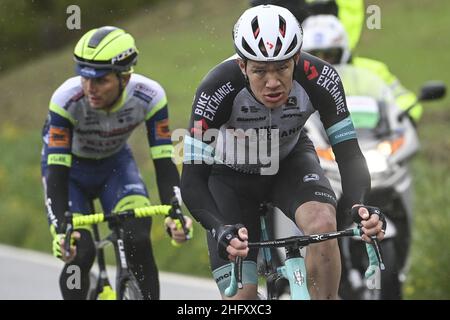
[262, 48]
[247, 47]
[99, 35]
[292, 46]
[282, 26]
[255, 27]
[277, 47]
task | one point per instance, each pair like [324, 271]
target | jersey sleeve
[159, 134]
[211, 109]
[58, 129]
[161, 150]
[327, 95]
[156, 117]
[57, 132]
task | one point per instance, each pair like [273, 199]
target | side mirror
[432, 90]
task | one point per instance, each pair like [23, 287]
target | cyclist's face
[101, 92]
[270, 82]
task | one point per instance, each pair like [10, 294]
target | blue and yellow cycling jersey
[73, 127]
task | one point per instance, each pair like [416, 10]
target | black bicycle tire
[93, 291]
[134, 291]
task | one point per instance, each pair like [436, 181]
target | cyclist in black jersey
[246, 145]
[85, 154]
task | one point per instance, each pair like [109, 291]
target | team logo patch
[292, 101]
[59, 137]
[311, 177]
[310, 71]
[200, 126]
[162, 129]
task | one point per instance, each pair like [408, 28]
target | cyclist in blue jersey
[247, 145]
[85, 153]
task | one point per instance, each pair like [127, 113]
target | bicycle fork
[294, 270]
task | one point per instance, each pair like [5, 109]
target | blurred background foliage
[30, 28]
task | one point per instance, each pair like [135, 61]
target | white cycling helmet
[324, 33]
[267, 33]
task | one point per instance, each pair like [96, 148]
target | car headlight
[376, 162]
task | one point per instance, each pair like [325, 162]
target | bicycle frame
[103, 289]
[123, 273]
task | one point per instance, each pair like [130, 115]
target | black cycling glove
[224, 235]
[372, 210]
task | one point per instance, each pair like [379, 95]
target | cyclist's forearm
[57, 194]
[197, 197]
[167, 177]
[355, 177]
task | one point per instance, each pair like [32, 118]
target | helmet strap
[295, 68]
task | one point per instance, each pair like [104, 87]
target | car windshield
[364, 111]
[366, 94]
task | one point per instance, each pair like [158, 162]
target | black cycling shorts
[238, 195]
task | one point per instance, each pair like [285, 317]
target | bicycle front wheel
[129, 290]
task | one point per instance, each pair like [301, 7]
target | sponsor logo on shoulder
[162, 129]
[59, 137]
[326, 195]
[206, 104]
[311, 177]
[292, 101]
[310, 71]
[329, 79]
[146, 90]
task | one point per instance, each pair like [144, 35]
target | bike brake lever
[238, 263]
[68, 236]
[175, 213]
[378, 252]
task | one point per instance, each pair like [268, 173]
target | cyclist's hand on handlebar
[373, 223]
[239, 246]
[232, 241]
[176, 232]
[58, 246]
